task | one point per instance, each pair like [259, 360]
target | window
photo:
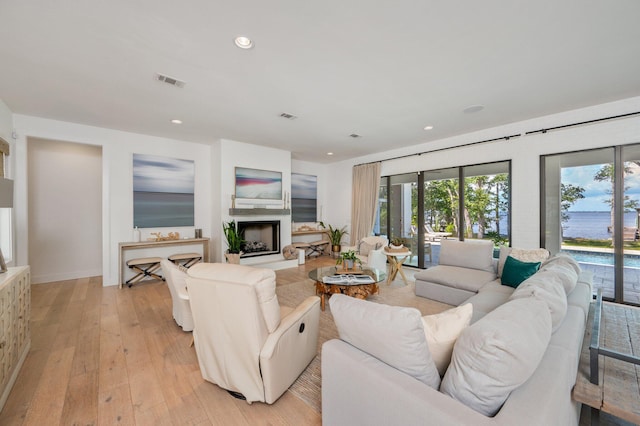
[459, 202]
[591, 211]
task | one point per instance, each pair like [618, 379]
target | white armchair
[246, 343]
[176, 281]
[370, 250]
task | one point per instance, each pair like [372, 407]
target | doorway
[64, 210]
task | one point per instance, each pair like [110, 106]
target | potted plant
[335, 236]
[348, 259]
[234, 242]
[397, 242]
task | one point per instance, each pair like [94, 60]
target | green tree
[569, 194]
[606, 174]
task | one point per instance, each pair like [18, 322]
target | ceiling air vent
[170, 80]
[288, 116]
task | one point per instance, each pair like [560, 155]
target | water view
[593, 225]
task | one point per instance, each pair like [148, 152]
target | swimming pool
[602, 258]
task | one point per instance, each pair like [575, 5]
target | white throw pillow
[442, 331]
[497, 354]
[392, 334]
[523, 255]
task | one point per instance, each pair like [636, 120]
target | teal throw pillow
[515, 271]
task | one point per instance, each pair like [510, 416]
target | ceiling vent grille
[288, 116]
[170, 80]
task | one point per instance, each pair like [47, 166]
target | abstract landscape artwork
[163, 191]
[258, 184]
[304, 197]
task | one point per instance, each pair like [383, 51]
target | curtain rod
[506, 138]
[581, 123]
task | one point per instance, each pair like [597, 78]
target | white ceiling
[383, 70]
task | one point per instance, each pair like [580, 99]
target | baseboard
[48, 278]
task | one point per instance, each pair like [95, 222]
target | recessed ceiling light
[428, 127]
[473, 108]
[243, 42]
[176, 121]
[329, 153]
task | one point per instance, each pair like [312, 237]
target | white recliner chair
[370, 251]
[176, 281]
[246, 343]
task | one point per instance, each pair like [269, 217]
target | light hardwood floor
[103, 356]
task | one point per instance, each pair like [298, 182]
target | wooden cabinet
[15, 340]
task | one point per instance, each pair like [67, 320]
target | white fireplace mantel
[260, 211]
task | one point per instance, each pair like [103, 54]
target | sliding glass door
[424, 208]
[591, 210]
[403, 210]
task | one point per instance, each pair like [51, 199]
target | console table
[125, 247]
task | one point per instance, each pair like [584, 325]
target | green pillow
[515, 271]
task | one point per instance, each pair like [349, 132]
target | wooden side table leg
[400, 264]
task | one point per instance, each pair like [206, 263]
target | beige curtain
[364, 200]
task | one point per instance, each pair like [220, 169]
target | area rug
[308, 386]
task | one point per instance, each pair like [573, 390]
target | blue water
[593, 225]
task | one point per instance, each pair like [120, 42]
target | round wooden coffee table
[359, 291]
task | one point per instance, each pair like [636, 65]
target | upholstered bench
[185, 259]
[144, 267]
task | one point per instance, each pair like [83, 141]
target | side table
[396, 260]
[608, 374]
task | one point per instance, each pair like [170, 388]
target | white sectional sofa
[463, 269]
[523, 345]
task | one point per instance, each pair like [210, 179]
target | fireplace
[262, 237]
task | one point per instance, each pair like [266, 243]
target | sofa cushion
[564, 258]
[442, 331]
[497, 354]
[546, 287]
[392, 334]
[467, 254]
[456, 277]
[523, 255]
[566, 268]
[515, 271]
[488, 298]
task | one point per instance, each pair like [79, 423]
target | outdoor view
[433, 214]
[579, 212]
[588, 221]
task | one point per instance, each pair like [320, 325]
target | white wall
[65, 210]
[117, 181]
[241, 154]
[524, 152]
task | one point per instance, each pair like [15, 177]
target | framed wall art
[256, 184]
[163, 191]
[304, 198]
